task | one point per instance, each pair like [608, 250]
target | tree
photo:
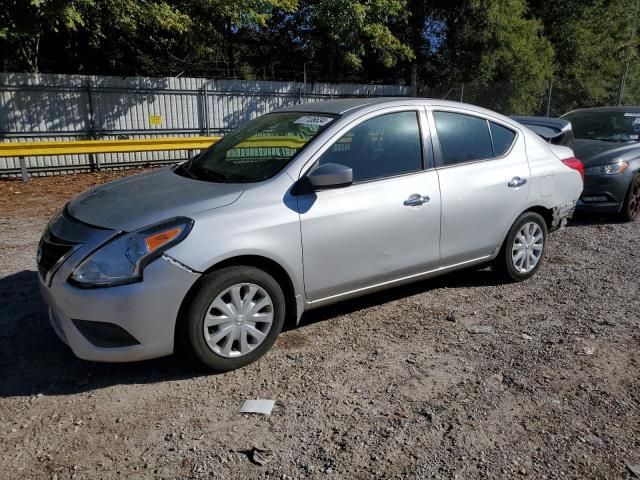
[493, 42]
[24, 22]
[220, 28]
[354, 38]
[105, 36]
[594, 41]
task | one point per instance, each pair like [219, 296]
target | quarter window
[502, 139]
[381, 147]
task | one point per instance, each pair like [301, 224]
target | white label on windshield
[632, 114]
[633, 137]
[313, 120]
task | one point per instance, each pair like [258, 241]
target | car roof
[616, 109]
[352, 105]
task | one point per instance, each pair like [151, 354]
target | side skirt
[397, 282]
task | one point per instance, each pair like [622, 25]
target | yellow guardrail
[21, 150]
[79, 147]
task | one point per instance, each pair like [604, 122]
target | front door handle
[516, 182]
[416, 200]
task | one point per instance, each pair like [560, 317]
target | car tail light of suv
[573, 162]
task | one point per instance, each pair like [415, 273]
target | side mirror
[330, 175]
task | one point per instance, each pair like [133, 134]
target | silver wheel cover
[527, 247]
[238, 320]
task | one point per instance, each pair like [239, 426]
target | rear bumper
[561, 215]
[146, 310]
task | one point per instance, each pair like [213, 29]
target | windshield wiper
[184, 170]
[211, 175]
[191, 170]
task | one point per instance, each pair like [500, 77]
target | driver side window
[380, 147]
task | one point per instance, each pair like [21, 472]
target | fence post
[94, 162]
[549, 98]
[23, 169]
[205, 109]
[414, 80]
[304, 78]
[462, 91]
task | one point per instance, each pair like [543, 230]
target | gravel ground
[392, 385]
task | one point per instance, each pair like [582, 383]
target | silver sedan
[297, 209]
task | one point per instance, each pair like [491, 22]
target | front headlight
[123, 259]
[610, 169]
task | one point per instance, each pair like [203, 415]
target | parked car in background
[294, 210]
[607, 141]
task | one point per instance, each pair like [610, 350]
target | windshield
[608, 126]
[259, 149]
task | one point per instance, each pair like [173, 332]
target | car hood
[140, 200]
[598, 152]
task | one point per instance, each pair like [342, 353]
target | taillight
[576, 164]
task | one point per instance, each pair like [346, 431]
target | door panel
[478, 205]
[364, 234]
[382, 227]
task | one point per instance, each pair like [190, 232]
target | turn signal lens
[159, 239]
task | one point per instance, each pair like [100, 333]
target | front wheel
[523, 250]
[234, 317]
[631, 207]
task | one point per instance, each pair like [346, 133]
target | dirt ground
[392, 385]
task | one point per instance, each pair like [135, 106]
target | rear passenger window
[463, 138]
[383, 146]
[502, 139]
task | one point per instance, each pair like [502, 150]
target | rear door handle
[416, 200]
[517, 182]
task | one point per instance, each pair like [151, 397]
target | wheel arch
[545, 212]
[273, 268]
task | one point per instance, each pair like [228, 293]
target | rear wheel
[234, 318]
[631, 207]
[523, 249]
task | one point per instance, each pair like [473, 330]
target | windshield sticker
[313, 120]
[633, 137]
[632, 115]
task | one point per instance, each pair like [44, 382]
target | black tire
[191, 328]
[504, 265]
[631, 206]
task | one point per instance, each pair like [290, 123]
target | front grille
[50, 251]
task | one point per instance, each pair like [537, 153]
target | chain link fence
[552, 99]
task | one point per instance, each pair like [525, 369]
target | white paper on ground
[258, 406]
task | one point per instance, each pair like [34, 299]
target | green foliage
[494, 41]
[23, 22]
[523, 44]
[243, 13]
[356, 29]
[593, 40]
[516, 50]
